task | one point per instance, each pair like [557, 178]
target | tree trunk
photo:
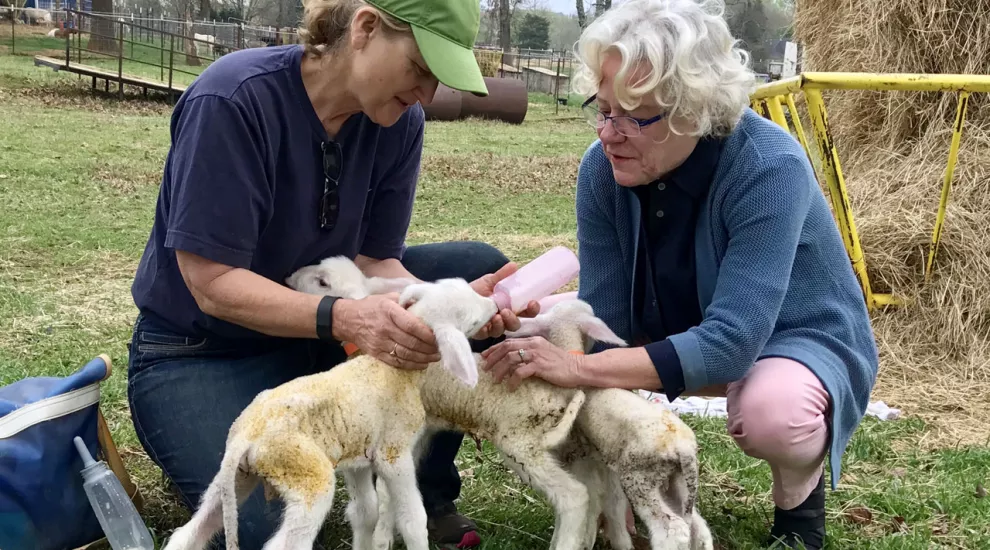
[205, 10]
[103, 37]
[191, 58]
[582, 18]
[504, 25]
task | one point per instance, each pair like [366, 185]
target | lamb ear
[412, 293]
[455, 353]
[596, 329]
[528, 326]
[384, 285]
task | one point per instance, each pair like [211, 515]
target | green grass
[78, 183]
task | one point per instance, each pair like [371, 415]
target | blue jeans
[185, 393]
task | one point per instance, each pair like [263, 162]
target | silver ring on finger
[522, 355]
[395, 347]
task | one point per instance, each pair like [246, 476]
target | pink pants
[777, 413]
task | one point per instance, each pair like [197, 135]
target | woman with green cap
[280, 157]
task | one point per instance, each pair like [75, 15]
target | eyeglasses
[625, 125]
[333, 158]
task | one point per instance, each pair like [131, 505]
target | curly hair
[695, 69]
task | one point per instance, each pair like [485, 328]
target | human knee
[776, 430]
[480, 259]
[465, 259]
[794, 429]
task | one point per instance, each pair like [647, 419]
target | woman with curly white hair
[705, 240]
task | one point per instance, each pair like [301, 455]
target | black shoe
[452, 530]
[802, 528]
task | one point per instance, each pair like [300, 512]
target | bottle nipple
[83, 451]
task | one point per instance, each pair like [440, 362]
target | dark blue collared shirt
[665, 287]
[243, 183]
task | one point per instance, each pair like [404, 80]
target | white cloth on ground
[716, 406]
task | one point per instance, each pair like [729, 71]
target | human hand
[383, 329]
[538, 358]
[505, 319]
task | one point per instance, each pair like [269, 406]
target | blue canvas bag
[42, 502]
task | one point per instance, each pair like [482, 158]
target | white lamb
[525, 425]
[622, 446]
[340, 276]
[361, 418]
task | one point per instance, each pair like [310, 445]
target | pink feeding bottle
[537, 279]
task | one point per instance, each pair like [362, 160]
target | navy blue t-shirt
[243, 182]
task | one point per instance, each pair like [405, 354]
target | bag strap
[115, 463]
[48, 409]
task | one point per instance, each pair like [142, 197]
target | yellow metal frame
[769, 99]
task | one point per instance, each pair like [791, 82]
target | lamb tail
[227, 478]
[559, 433]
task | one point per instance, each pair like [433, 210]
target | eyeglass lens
[622, 124]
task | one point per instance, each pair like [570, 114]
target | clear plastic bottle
[120, 521]
[537, 279]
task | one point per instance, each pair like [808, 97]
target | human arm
[484, 285]
[629, 368]
[763, 212]
[605, 284]
[390, 217]
[243, 297]
[218, 197]
[218, 200]
[390, 268]
[605, 279]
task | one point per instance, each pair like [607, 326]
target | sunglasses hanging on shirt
[333, 158]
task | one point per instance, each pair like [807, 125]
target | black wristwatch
[324, 318]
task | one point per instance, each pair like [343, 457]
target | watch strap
[324, 318]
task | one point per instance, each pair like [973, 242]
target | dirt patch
[530, 174]
[125, 179]
[78, 94]
[92, 296]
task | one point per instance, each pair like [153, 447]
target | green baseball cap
[445, 31]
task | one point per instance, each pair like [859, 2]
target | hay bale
[893, 147]
[894, 36]
[488, 61]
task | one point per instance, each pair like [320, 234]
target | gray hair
[696, 70]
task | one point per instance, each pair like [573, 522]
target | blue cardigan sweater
[773, 276]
